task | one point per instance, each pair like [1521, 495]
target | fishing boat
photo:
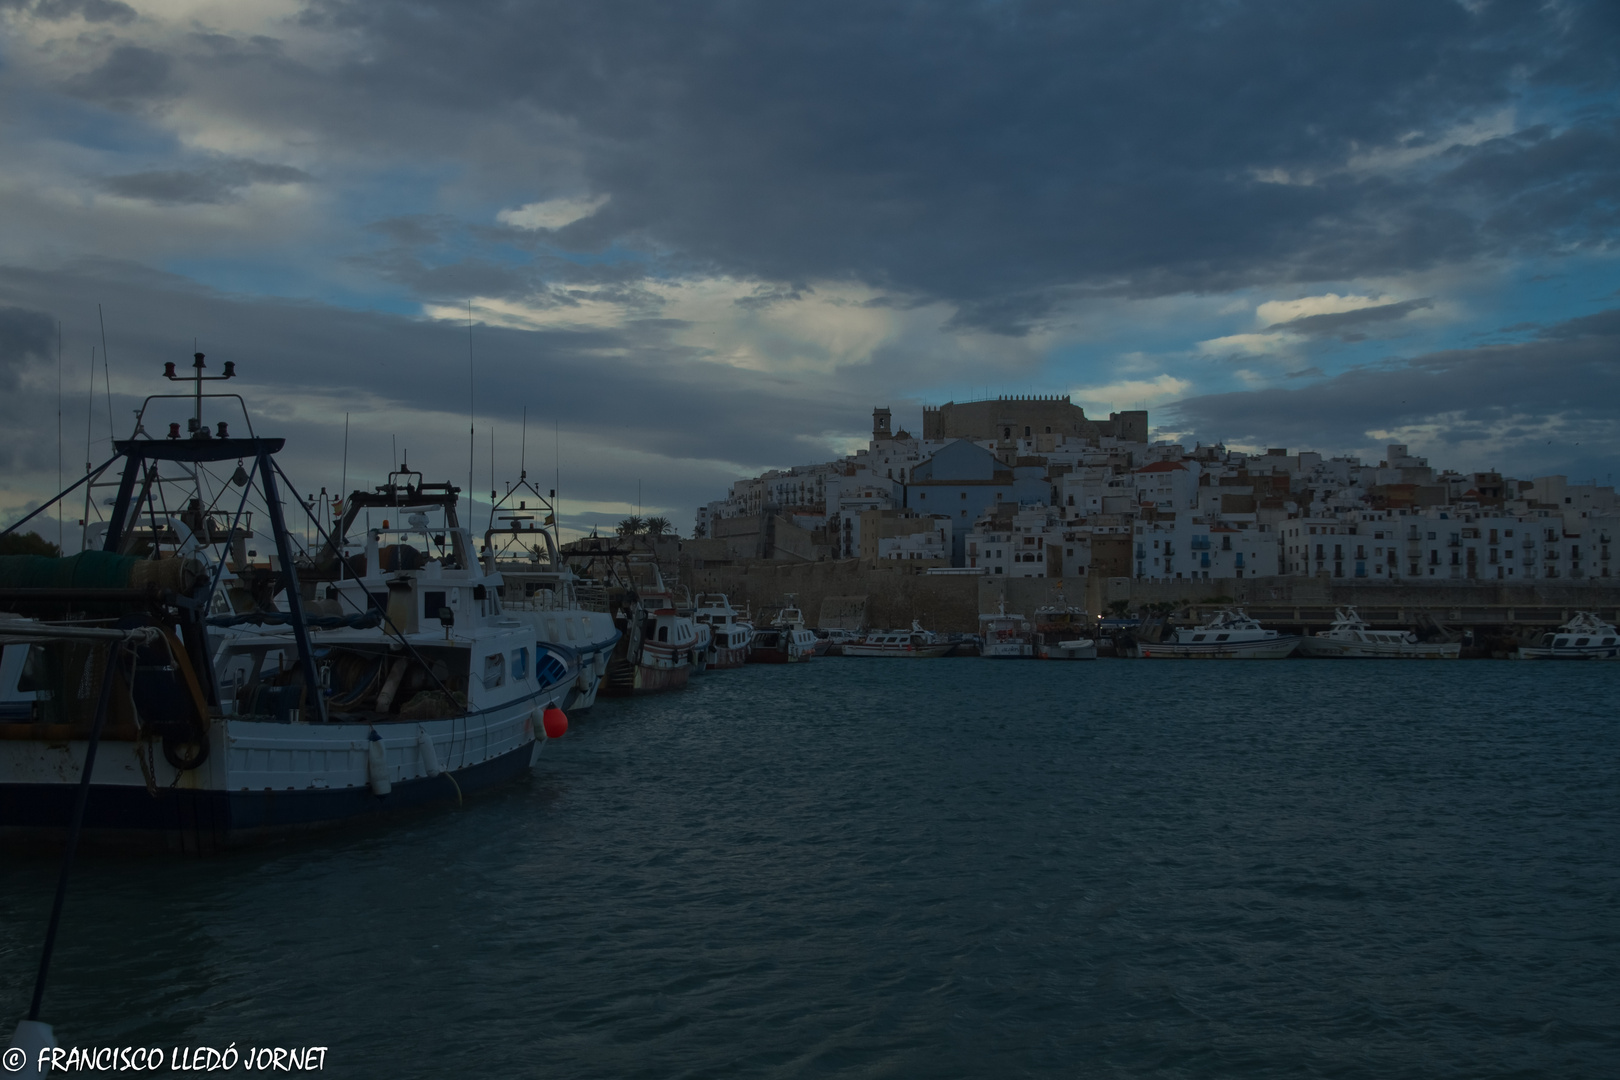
[659, 645]
[1061, 632]
[729, 638]
[830, 641]
[786, 641]
[915, 643]
[1004, 636]
[1585, 637]
[1228, 635]
[252, 698]
[1351, 637]
[521, 545]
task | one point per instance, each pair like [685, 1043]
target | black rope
[73, 834]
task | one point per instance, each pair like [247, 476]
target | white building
[1186, 545]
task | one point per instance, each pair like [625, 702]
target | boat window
[34, 678]
[1562, 641]
[520, 664]
[1582, 641]
[1199, 637]
[663, 633]
[1222, 637]
[494, 671]
[1608, 641]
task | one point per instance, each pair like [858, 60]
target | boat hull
[774, 655]
[1269, 649]
[625, 679]
[921, 652]
[1322, 648]
[1570, 652]
[262, 779]
[1007, 650]
[1077, 649]
[723, 659]
[200, 821]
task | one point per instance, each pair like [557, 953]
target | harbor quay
[844, 594]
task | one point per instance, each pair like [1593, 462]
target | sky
[645, 249]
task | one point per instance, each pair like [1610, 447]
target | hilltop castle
[1020, 418]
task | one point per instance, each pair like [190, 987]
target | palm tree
[658, 526]
[631, 526]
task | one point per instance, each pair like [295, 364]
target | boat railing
[586, 598]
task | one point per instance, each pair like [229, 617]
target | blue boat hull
[200, 821]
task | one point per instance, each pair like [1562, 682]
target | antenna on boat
[471, 428]
[59, 550]
[343, 487]
[107, 374]
[523, 446]
[89, 420]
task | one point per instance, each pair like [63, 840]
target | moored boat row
[389, 659]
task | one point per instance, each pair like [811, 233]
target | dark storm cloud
[996, 155]
[130, 75]
[1347, 325]
[1563, 386]
[630, 385]
[216, 182]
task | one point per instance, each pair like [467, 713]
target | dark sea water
[945, 868]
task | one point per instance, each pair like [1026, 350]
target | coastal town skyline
[690, 251]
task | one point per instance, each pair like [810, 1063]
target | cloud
[26, 336]
[1291, 322]
[745, 142]
[1525, 404]
[1262, 344]
[632, 401]
[1278, 312]
[1346, 325]
[129, 76]
[552, 213]
[91, 11]
[214, 183]
[1131, 393]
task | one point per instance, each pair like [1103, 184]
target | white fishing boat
[1351, 637]
[1006, 636]
[786, 641]
[1228, 635]
[831, 640]
[1585, 637]
[265, 709]
[660, 645]
[729, 638]
[571, 616]
[915, 643]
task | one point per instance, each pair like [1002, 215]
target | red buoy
[555, 722]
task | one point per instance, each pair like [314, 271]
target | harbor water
[886, 868]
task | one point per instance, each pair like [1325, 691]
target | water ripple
[876, 869]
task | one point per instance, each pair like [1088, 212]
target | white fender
[377, 765]
[424, 748]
